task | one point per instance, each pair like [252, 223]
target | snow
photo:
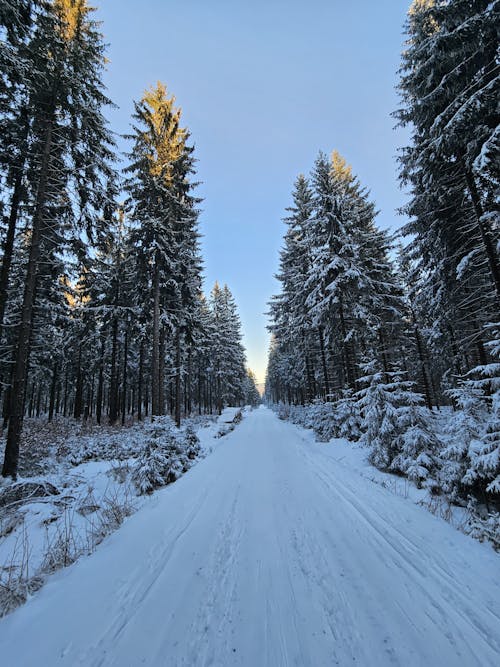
[272, 551]
[92, 474]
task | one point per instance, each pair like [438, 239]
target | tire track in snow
[132, 597]
[406, 556]
[210, 629]
[268, 554]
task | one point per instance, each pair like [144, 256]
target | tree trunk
[486, 238]
[124, 390]
[161, 373]
[100, 383]
[323, 361]
[39, 399]
[423, 367]
[11, 459]
[310, 382]
[8, 248]
[53, 386]
[383, 353]
[188, 384]
[65, 396]
[139, 382]
[77, 410]
[113, 378]
[178, 397]
[155, 357]
[346, 346]
[199, 389]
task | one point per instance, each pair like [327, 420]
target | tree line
[393, 329]
[102, 314]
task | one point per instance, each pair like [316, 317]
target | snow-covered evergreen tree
[166, 237]
[447, 84]
[395, 425]
[69, 146]
[227, 352]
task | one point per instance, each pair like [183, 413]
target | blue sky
[264, 85]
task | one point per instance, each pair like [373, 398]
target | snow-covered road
[269, 553]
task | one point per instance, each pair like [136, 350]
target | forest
[102, 312]
[393, 338]
[350, 514]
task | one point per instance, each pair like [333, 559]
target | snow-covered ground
[272, 551]
[83, 491]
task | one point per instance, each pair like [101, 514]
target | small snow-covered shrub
[378, 403]
[484, 456]
[228, 426]
[348, 417]
[339, 419]
[165, 456]
[283, 410]
[192, 443]
[153, 464]
[471, 460]
[483, 525]
[326, 424]
[318, 416]
[396, 426]
[418, 443]
[461, 433]
[300, 415]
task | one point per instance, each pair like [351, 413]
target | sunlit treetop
[418, 15]
[341, 171]
[72, 14]
[164, 138]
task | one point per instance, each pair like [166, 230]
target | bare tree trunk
[155, 357]
[161, 373]
[124, 390]
[7, 397]
[178, 379]
[100, 383]
[77, 410]
[310, 382]
[188, 384]
[139, 381]
[65, 395]
[347, 348]
[383, 353]
[39, 399]
[323, 360]
[113, 377]
[199, 389]
[423, 366]
[53, 386]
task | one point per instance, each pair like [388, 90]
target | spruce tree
[164, 212]
[70, 145]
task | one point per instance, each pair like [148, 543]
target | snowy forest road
[267, 554]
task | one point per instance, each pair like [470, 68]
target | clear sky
[264, 85]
